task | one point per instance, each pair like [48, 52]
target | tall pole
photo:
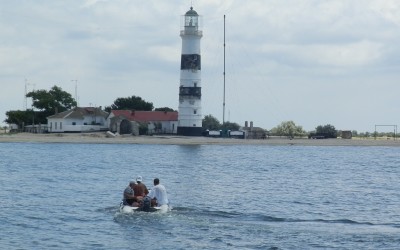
[25, 98]
[223, 108]
[26, 92]
[76, 91]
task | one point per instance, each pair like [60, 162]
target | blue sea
[66, 196]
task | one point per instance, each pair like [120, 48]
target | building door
[125, 127]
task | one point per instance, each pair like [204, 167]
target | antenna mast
[223, 108]
[26, 92]
[76, 91]
[25, 98]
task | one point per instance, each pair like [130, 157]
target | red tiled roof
[146, 116]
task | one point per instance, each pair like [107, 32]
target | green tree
[230, 126]
[211, 123]
[18, 117]
[130, 103]
[289, 129]
[143, 128]
[329, 131]
[47, 102]
[51, 101]
[165, 109]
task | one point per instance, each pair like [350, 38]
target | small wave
[108, 209]
[223, 214]
[343, 221]
[303, 203]
[217, 213]
[183, 209]
[352, 222]
[206, 212]
[292, 220]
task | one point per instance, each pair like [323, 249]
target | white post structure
[190, 116]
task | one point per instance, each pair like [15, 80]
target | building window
[195, 111]
[194, 125]
[60, 125]
[74, 123]
[195, 84]
[55, 125]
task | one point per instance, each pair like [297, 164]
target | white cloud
[165, 53]
[339, 55]
[388, 9]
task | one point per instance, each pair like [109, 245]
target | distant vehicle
[320, 136]
[316, 136]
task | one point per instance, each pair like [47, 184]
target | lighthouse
[190, 116]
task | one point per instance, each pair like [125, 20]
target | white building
[190, 115]
[79, 119]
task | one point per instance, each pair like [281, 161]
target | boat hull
[128, 209]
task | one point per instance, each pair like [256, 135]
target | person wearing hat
[129, 195]
[140, 190]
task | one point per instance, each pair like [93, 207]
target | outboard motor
[146, 204]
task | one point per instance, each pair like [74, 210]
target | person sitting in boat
[158, 193]
[129, 196]
[140, 190]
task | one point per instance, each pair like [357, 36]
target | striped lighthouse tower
[190, 117]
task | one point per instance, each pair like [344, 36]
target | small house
[78, 119]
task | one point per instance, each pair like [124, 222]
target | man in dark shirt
[129, 196]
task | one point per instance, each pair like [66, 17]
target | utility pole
[223, 105]
[76, 91]
[26, 92]
[25, 101]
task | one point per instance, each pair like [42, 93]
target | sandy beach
[101, 137]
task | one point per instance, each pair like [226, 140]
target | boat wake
[192, 212]
[240, 216]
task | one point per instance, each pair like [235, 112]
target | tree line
[47, 103]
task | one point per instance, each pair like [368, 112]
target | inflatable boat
[129, 209]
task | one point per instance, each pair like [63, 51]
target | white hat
[139, 178]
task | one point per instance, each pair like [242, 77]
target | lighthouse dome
[191, 12]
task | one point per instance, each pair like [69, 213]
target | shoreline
[101, 138]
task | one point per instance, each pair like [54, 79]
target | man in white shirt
[159, 193]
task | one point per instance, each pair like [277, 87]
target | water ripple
[223, 197]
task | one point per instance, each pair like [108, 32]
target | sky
[314, 62]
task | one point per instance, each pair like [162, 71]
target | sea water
[66, 196]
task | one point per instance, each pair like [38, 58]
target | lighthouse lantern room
[190, 115]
